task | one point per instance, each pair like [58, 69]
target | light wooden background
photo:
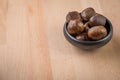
[33, 47]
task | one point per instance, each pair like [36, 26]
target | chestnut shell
[97, 20]
[97, 32]
[75, 27]
[82, 36]
[72, 16]
[87, 13]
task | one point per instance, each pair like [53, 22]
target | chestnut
[75, 27]
[87, 13]
[86, 25]
[97, 32]
[82, 36]
[72, 16]
[97, 20]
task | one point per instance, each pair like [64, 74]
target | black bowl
[89, 44]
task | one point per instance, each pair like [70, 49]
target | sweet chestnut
[75, 26]
[87, 13]
[72, 16]
[97, 32]
[97, 20]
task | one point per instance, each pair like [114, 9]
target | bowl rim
[91, 42]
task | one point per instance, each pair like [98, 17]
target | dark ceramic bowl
[89, 44]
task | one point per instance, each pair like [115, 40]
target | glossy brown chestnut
[97, 20]
[97, 32]
[82, 36]
[75, 26]
[87, 13]
[86, 25]
[72, 16]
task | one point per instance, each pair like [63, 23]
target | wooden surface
[33, 47]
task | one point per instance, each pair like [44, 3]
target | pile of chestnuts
[87, 25]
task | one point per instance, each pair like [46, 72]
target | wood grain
[3, 16]
[33, 47]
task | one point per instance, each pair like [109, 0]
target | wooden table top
[33, 47]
